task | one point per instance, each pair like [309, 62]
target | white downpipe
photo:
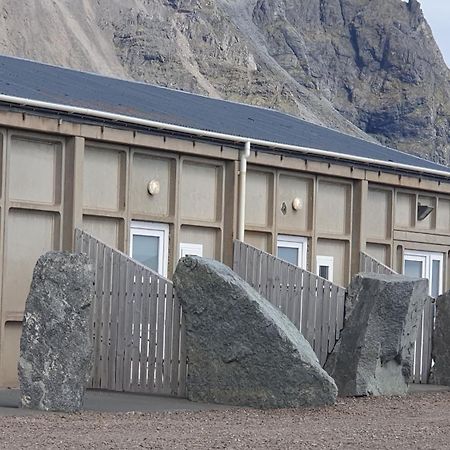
[242, 189]
[214, 135]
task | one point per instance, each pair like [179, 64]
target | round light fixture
[297, 204]
[153, 187]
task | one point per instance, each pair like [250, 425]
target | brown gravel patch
[420, 421]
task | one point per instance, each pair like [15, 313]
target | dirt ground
[419, 421]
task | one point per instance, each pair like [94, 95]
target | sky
[437, 13]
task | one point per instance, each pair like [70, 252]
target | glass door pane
[145, 249]
[414, 268]
[435, 278]
[288, 254]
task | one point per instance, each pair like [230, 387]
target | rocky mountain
[366, 67]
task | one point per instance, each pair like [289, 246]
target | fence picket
[318, 319]
[175, 346]
[325, 322]
[168, 324]
[113, 322]
[333, 317]
[144, 343]
[136, 324]
[97, 321]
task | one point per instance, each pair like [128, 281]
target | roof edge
[20, 101]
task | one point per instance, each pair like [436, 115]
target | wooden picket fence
[313, 304]
[137, 325]
[422, 349]
[368, 264]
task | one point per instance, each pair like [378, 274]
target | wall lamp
[423, 211]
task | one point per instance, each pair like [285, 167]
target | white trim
[327, 261]
[190, 249]
[159, 230]
[298, 242]
[427, 259]
[214, 135]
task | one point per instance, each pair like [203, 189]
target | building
[159, 173]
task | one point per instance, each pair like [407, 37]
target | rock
[56, 347]
[374, 353]
[441, 342]
[241, 349]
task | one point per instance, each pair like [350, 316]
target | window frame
[328, 261]
[185, 246]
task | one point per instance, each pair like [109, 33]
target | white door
[292, 249]
[425, 265]
[149, 244]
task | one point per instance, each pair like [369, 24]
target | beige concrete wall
[323, 215]
[32, 210]
[392, 225]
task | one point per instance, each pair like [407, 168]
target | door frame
[427, 258]
[298, 242]
[154, 229]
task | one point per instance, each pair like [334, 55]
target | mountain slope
[353, 65]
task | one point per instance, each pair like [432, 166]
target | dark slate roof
[36, 81]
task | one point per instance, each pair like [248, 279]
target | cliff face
[366, 67]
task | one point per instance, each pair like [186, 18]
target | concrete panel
[259, 240]
[29, 234]
[259, 199]
[290, 189]
[103, 180]
[338, 250]
[34, 170]
[405, 206]
[429, 223]
[379, 214]
[144, 170]
[333, 208]
[10, 353]
[201, 191]
[209, 238]
[380, 253]
[443, 215]
[105, 229]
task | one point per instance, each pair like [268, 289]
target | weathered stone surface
[374, 354]
[441, 342]
[56, 347]
[241, 349]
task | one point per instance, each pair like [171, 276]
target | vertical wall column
[360, 192]
[230, 208]
[73, 190]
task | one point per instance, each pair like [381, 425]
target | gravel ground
[420, 421]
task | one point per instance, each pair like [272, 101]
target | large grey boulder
[56, 347]
[375, 351]
[241, 349]
[441, 341]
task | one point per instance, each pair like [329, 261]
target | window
[325, 267]
[149, 244]
[425, 265]
[190, 249]
[292, 249]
